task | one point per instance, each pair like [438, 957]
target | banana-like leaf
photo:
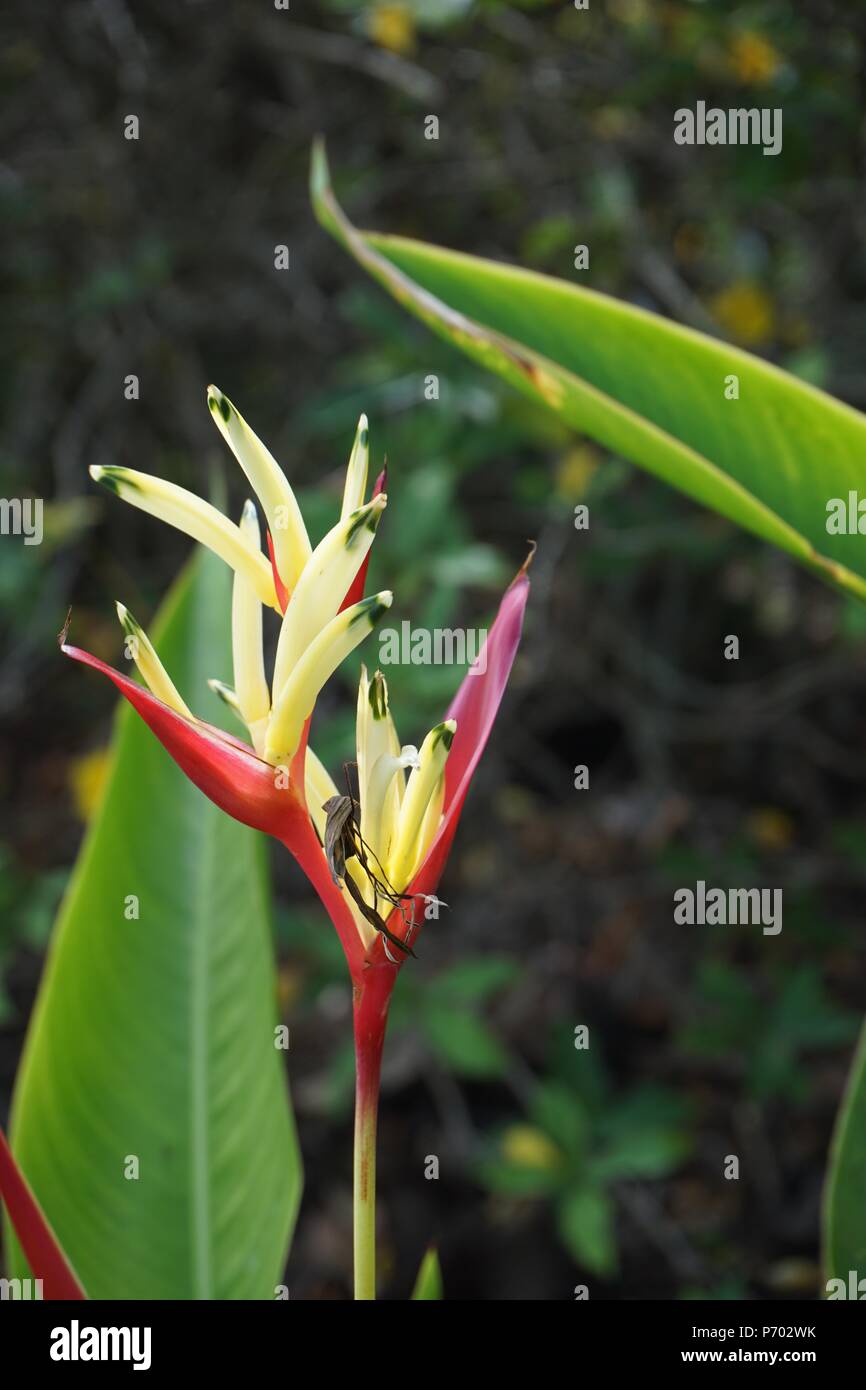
[151, 1114]
[845, 1191]
[644, 387]
[428, 1285]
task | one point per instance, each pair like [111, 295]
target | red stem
[372, 995]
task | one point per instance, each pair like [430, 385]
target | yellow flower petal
[141, 650]
[288, 532]
[254, 697]
[356, 473]
[323, 586]
[422, 786]
[318, 662]
[195, 517]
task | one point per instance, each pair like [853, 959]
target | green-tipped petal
[321, 658]
[140, 648]
[288, 532]
[251, 683]
[195, 517]
[228, 697]
[375, 732]
[421, 789]
[356, 474]
[323, 585]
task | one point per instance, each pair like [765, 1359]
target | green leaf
[153, 1039]
[509, 1179]
[585, 1220]
[844, 1208]
[562, 1115]
[474, 980]
[644, 387]
[463, 1041]
[428, 1285]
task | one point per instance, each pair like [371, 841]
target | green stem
[372, 996]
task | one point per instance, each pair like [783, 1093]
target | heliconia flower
[376, 879]
[279, 786]
[45, 1257]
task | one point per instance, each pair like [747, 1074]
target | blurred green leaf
[473, 980]
[585, 1221]
[428, 1285]
[844, 1210]
[463, 1041]
[560, 1114]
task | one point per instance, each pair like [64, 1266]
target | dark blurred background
[156, 257]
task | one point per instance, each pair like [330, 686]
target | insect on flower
[343, 840]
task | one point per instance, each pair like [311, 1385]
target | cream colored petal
[323, 586]
[254, 697]
[140, 649]
[289, 534]
[195, 517]
[319, 661]
[421, 788]
[319, 787]
[431, 822]
[379, 816]
[356, 473]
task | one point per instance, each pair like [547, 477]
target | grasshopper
[343, 840]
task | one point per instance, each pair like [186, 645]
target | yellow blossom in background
[527, 1147]
[770, 828]
[392, 27]
[574, 471]
[753, 59]
[87, 776]
[745, 312]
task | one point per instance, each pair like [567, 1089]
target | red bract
[250, 790]
[39, 1243]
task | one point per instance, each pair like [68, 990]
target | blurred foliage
[28, 906]
[156, 258]
[582, 1138]
[734, 1020]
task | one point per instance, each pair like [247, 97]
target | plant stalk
[372, 996]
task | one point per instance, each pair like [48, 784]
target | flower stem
[372, 996]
